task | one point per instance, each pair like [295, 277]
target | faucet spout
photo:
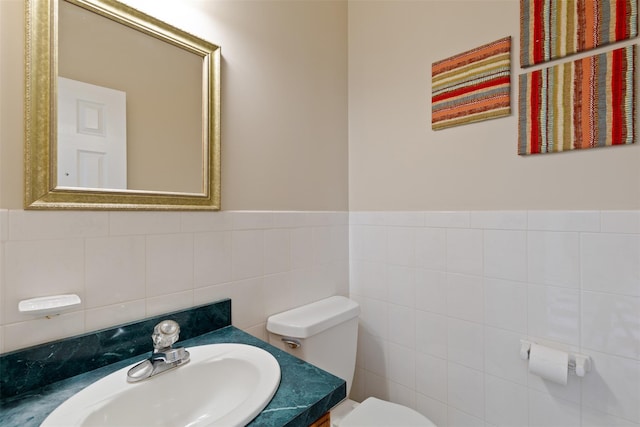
[171, 355]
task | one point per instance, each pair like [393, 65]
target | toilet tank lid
[310, 319]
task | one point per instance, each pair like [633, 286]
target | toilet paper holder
[579, 364]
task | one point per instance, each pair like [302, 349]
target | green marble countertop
[305, 392]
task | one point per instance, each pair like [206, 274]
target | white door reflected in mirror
[92, 136]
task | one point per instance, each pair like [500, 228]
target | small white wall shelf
[50, 305]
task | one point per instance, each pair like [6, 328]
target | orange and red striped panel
[551, 29]
[581, 104]
[472, 86]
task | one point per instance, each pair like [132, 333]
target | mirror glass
[158, 123]
[130, 119]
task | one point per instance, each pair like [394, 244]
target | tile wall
[446, 297]
[130, 265]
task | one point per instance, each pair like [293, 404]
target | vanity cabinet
[323, 421]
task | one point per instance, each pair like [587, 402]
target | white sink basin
[222, 385]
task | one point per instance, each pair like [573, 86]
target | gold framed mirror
[122, 110]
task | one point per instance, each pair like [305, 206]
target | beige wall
[396, 162]
[284, 97]
[284, 128]
[11, 108]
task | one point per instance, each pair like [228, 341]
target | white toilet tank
[323, 333]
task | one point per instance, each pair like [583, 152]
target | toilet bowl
[325, 334]
[373, 412]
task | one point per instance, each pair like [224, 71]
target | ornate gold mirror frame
[41, 70]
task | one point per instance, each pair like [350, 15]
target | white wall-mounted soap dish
[48, 306]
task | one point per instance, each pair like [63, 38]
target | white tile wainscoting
[446, 297]
[130, 265]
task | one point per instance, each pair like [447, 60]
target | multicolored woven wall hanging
[472, 86]
[551, 29]
[581, 104]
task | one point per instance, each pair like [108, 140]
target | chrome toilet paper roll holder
[579, 364]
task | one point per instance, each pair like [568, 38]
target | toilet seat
[375, 412]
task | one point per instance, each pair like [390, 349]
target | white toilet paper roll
[549, 363]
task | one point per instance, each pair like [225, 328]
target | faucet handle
[165, 334]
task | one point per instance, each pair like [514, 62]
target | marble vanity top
[30, 389]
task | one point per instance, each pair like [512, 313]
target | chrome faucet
[164, 356]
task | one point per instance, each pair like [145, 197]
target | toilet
[325, 334]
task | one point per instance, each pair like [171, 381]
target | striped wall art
[551, 29]
[581, 104]
[472, 86]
